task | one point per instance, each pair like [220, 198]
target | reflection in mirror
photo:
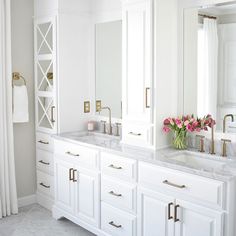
[109, 66]
[210, 64]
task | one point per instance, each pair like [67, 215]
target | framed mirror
[108, 67]
[210, 64]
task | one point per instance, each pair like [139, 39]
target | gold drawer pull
[43, 142]
[169, 211]
[115, 167]
[45, 186]
[115, 194]
[72, 154]
[173, 185]
[135, 134]
[176, 213]
[114, 225]
[45, 163]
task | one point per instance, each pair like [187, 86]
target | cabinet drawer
[45, 183]
[45, 161]
[44, 141]
[119, 167]
[118, 194]
[81, 155]
[116, 222]
[195, 186]
[139, 135]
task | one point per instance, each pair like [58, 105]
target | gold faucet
[224, 122]
[212, 148]
[109, 110]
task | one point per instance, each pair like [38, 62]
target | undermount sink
[198, 161]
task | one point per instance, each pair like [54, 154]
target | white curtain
[207, 68]
[8, 196]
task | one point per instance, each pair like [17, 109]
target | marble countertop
[161, 157]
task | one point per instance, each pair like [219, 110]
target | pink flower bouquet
[180, 127]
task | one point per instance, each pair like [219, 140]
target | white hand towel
[20, 104]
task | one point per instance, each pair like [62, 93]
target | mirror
[210, 64]
[108, 62]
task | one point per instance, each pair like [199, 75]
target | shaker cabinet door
[194, 220]
[155, 214]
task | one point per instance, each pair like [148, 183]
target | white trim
[27, 200]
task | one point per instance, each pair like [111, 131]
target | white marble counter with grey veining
[215, 167]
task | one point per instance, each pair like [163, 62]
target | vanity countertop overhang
[225, 170]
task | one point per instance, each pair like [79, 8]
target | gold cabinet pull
[70, 174]
[74, 171]
[114, 225]
[173, 185]
[169, 211]
[176, 213]
[72, 154]
[146, 97]
[115, 167]
[52, 114]
[115, 194]
[135, 134]
[44, 163]
[43, 142]
[44, 185]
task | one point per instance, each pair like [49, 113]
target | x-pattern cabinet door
[45, 74]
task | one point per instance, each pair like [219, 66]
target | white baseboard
[28, 200]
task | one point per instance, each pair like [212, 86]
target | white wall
[22, 59]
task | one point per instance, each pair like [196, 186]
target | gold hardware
[52, 114]
[115, 194]
[74, 180]
[115, 167]
[224, 148]
[146, 97]
[17, 76]
[114, 225]
[173, 185]
[45, 163]
[86, 106]
[169, 211]
[50, 76]
[43, 142]
[201, 143]
[98, 105]
[224, 121]
[72, 154]
[135, 134]
[212, 151]
[176, 213]
[70, 175]
[45, 186]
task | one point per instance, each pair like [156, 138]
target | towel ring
[17, 76]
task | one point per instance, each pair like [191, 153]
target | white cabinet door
[64, 185]
[137, 61]
[155, 214]
[87, 196]
[45, 74]
[194, 220]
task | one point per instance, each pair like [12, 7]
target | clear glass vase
[180, 140]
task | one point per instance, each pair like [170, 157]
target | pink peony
[166, 129]
[167, 121]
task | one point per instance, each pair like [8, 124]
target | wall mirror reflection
[210, 64]
[108, 63]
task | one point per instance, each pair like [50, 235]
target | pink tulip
[167, 121]
[166, 129]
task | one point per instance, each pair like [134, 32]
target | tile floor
[34, 220]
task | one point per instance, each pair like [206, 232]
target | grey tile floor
[37, 221]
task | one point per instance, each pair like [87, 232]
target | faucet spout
[224, 122]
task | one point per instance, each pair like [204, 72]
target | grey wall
[22, 61]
